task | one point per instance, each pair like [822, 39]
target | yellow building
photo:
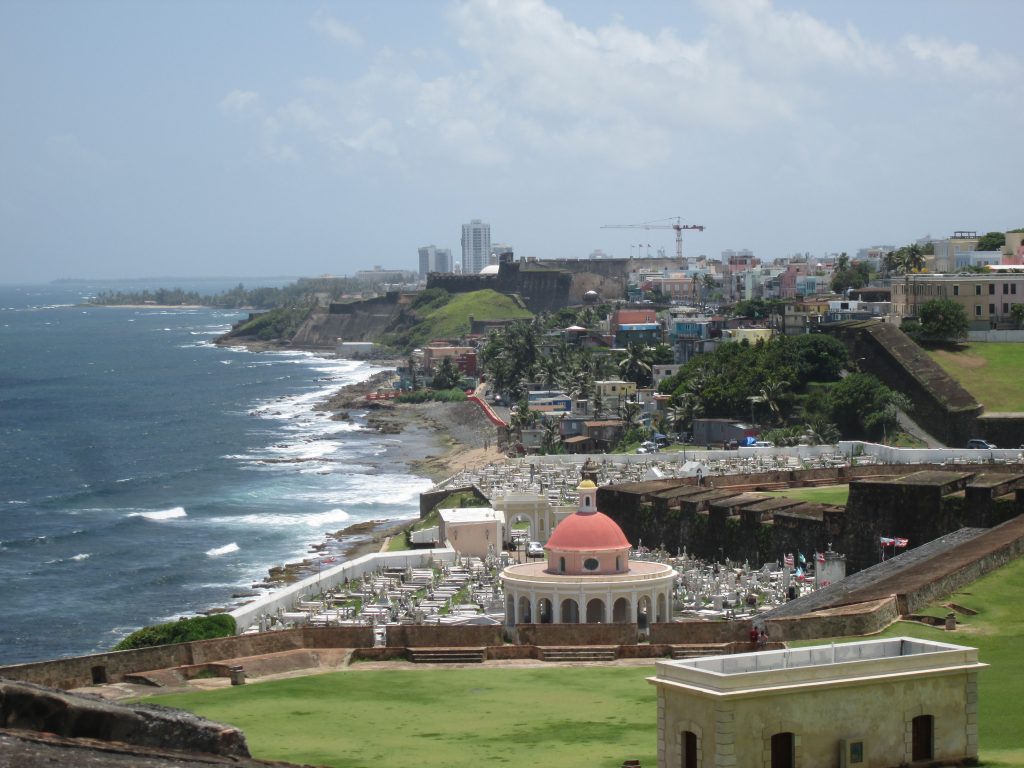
[986, 297]
[870, 704]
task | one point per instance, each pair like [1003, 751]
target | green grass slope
[827, 494]
[990, 371]
[452, 319]
[997, 631]
[581, 717]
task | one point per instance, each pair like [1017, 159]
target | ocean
[147, 474]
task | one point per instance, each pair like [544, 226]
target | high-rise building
[476, 246]
[434, 259]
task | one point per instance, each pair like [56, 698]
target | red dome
[587, 532]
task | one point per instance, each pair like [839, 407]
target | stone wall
[698, 632]
[863, 619]
[440, 636]
[431, 498]
[1004, 429]
[76, 671]
[576, 634]
[943, 407]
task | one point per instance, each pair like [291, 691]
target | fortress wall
[698, 632]
[77, 671]
[576, 634]
[440, 636]
[862, 619]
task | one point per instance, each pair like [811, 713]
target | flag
[885, 541]
[821, 557]
[788, 561]
[901, 543]
[801, 558]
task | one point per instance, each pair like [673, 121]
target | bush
[432, 395]
[181, 631]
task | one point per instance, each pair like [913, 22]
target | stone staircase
[447, 655]
[579, 653]
[693, 651]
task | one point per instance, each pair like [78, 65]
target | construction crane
[678, 226]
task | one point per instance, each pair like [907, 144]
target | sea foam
[163, 514]
[226, 549]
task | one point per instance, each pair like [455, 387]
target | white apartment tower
[476, 246]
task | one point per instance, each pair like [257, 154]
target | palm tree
[551, 439]
[911, 258]
[636, 366]
[707, 287]
[771, 392]
[820, 431]
[629, 412]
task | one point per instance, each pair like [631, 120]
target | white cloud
[240, 101]
[336, 30]
[962, 59]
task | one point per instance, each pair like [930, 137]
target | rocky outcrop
[29, 707]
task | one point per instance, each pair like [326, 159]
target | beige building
[472, 531]
[870, 704]
[986, 297]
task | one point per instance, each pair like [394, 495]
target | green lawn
[567, 716]
[826, 494]
[997, 631]
[580, 717]
[990, 371]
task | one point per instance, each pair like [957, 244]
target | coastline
[437, 439]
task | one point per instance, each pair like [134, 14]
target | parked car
[535, 549]
[980, 444]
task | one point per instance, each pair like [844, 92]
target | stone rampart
[576, 634]
[440, 636]
[698, 632]
[77, 671]
[943, 407]
[861, 619]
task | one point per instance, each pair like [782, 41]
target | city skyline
[256, 139]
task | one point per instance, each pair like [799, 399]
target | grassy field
[997, 631]
[989, 371]
[826, 494]
[583, 717]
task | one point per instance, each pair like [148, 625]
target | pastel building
[587, 576]
[898, 701]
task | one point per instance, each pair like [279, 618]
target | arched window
[586, 501]
[561, 565]
[923, 737]
[783, 752]
[618, 564]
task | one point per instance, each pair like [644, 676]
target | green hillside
[446, 319]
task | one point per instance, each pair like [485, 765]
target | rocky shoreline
[458, 432]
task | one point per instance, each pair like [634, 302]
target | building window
[977, 290]
[991, 288]
[1006, 289]
[783, 750]
[922, 738]
[956, 290]
[561, 565]
[618, 564]
[591, 564]
[991, 310]
[977, 310]
[1006, 308]
[1013, 288]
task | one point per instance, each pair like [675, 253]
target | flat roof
[759, 673]
[470, 515]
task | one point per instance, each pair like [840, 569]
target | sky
[257, 137]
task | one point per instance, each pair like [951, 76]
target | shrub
[181, 631]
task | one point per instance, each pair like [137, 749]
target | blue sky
[195, 138]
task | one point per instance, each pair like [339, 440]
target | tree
[991, 241]
[636, 366]
[1017, 313]
[446, 376]
[861, 406]
[942, 320]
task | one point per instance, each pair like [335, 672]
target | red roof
[587, 532]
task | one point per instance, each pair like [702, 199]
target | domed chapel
[587, 576]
